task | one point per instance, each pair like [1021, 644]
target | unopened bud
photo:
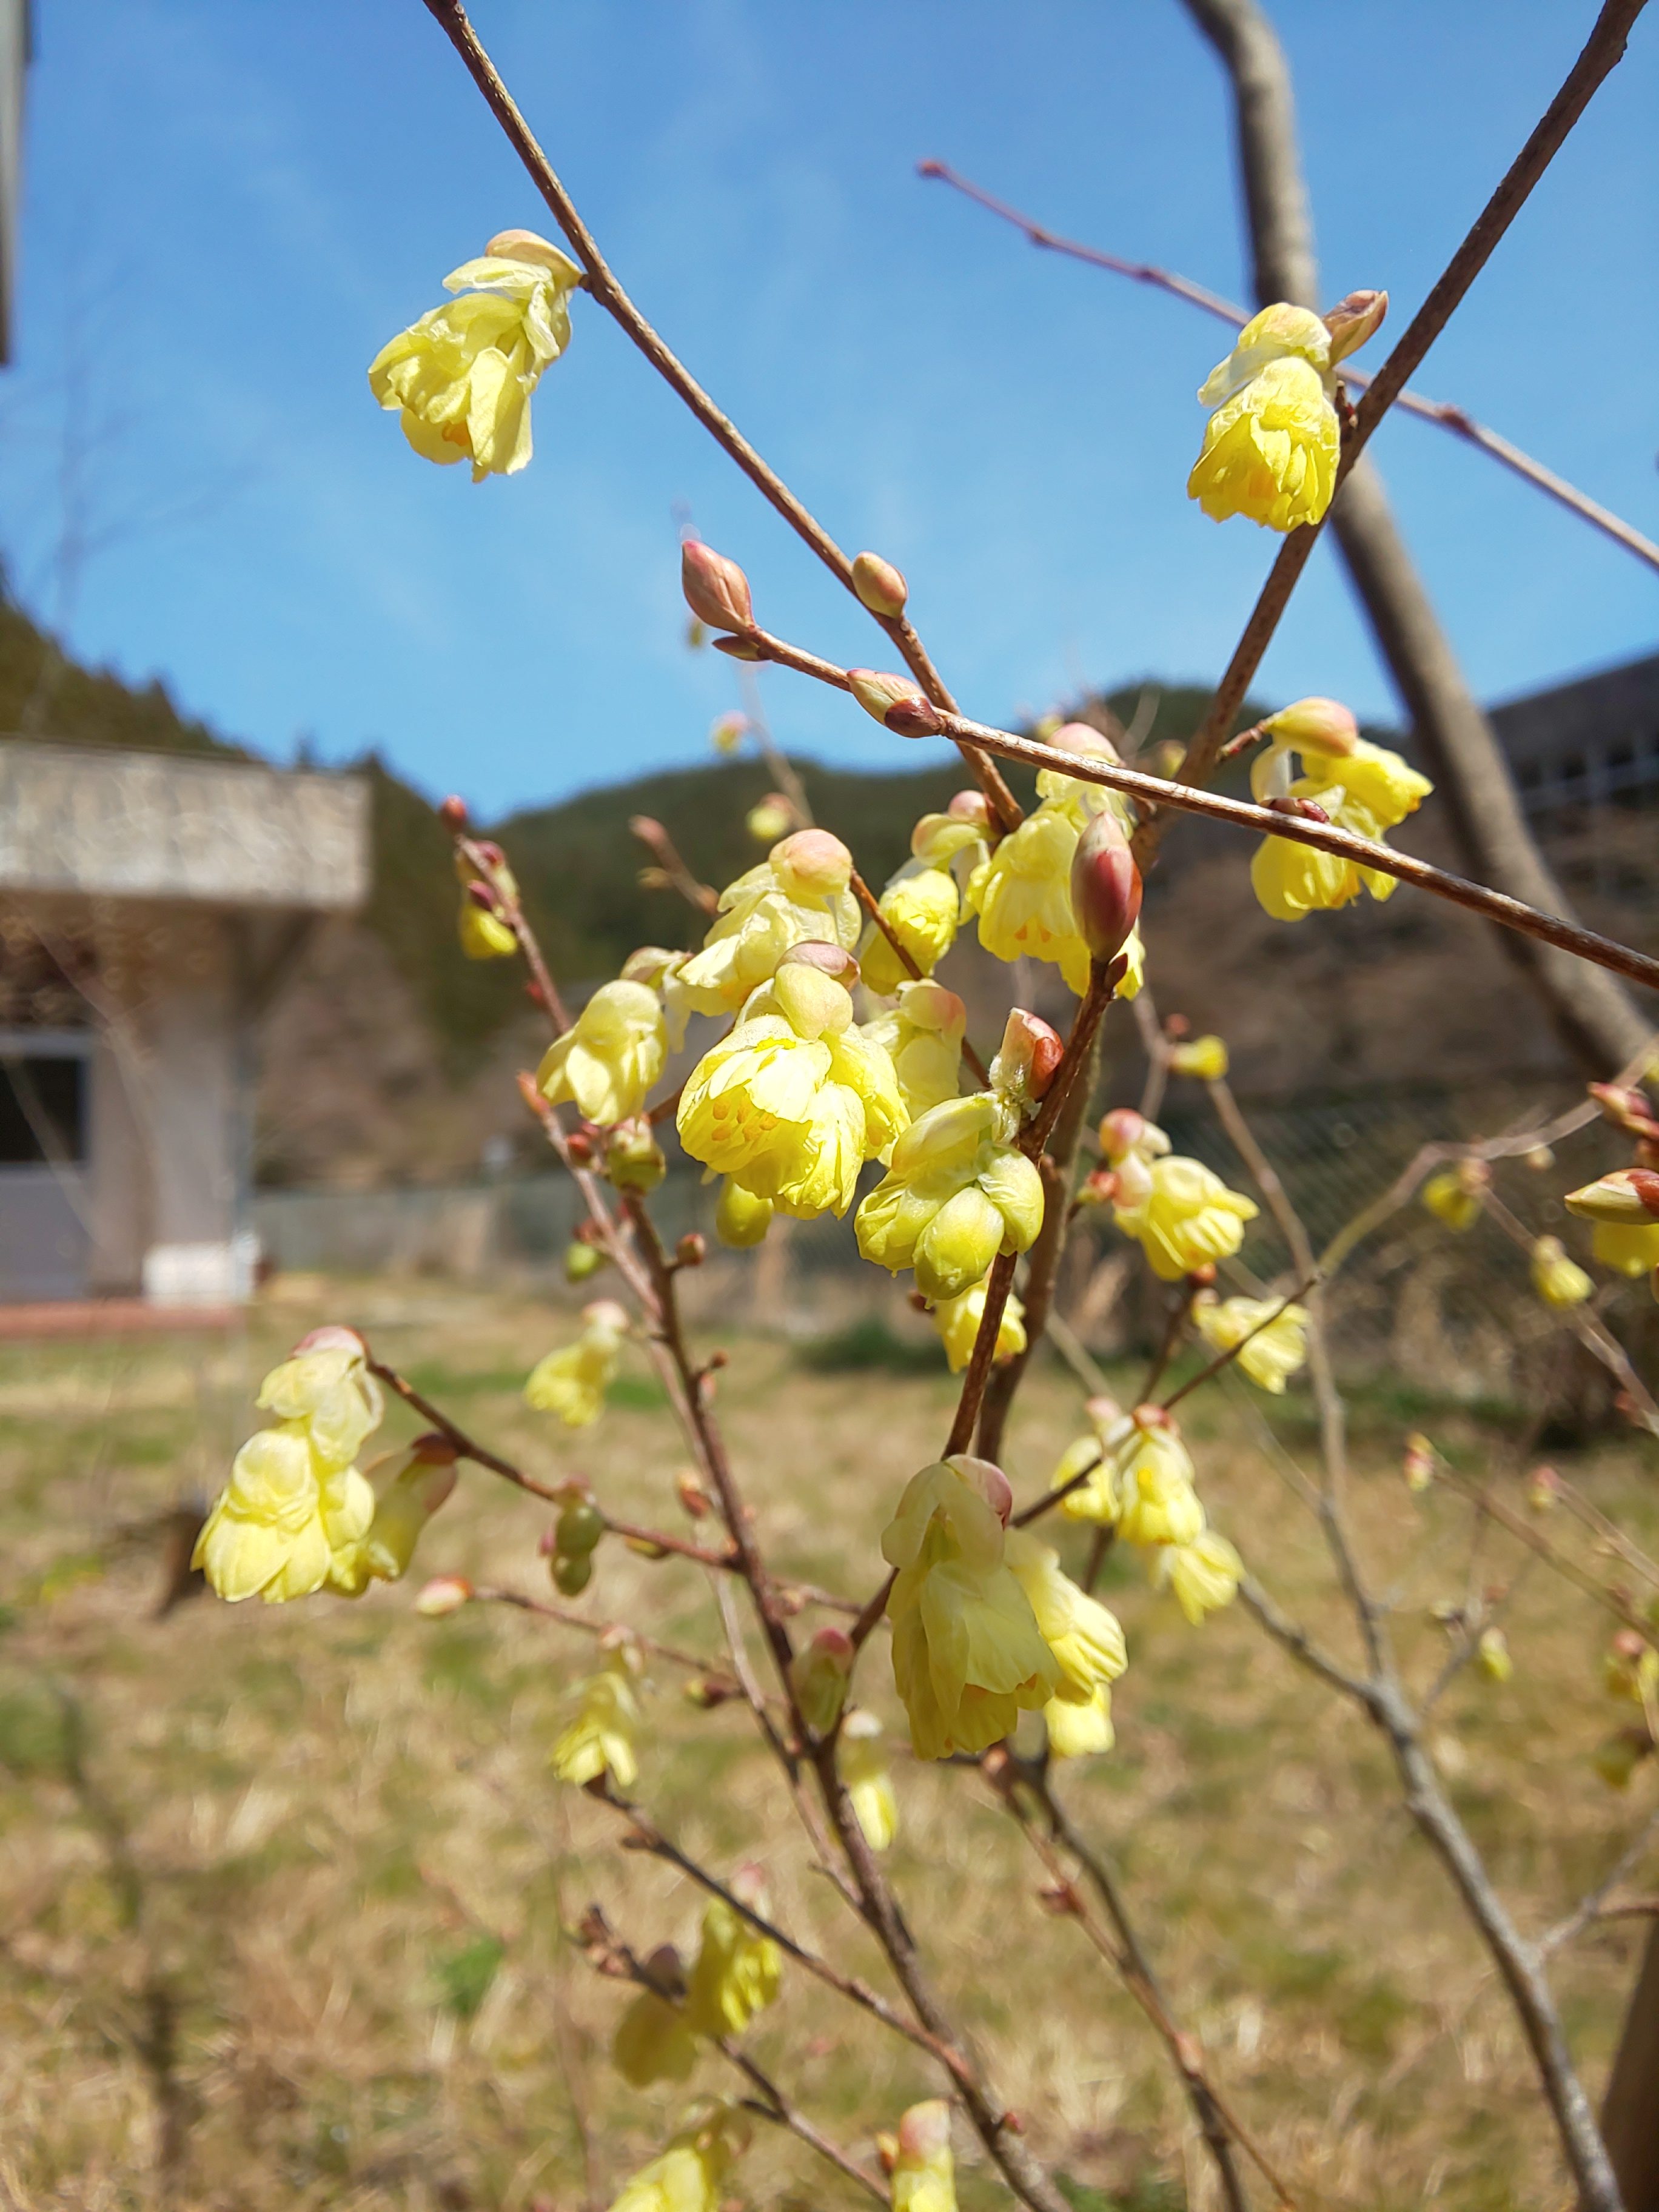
[1085, 740]
[688, 1487]
[1202, 1277]
[879, 585]
[772, 819]
[1315, 725]
[831, 960]
[1031, 1051]
[634, 1160]
[692, 1250]
[480, 895]
[986, 1478]
[1121, 1131]
[813, 862]
[1541, 1159]
[1299, 809]
[705, 1692]
[924, 2133]
[581, 1261]
[819, 1674]
[1351, 321]
[452, 812]
[895, 703]
[969, 806]
[716, 590]
[1098, 1189]
[738, 648]
[726, 732]
[443, 1594]
[1058, 1898]
[1105, 887]
[1627, 1195]
[1204, 1059]
[1417, 1463]
[580, 1145]
[1543, 1489]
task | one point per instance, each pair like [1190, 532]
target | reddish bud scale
[716, 590]
[1646, 1183]
[482, 896]
[879, 585]
[1105, 888]
[452, 813]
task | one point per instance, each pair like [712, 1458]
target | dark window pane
[42, 1110]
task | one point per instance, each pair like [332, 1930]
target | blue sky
[228, 209]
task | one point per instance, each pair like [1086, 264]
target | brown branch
[695, 1662]
[872, 906]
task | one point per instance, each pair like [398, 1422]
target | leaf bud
[895, 703]
[879, 585]
[738, 648]
[716, 590]
[452, 812]
[1105, 887]
[688, 1488]
[1352, 320]
[692, 1250]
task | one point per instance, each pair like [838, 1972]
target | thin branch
[872, 906]
[695, 1662]
[1589, 1906]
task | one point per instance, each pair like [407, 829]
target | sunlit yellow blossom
[1022, 892]
[1291, 880]
[605, 1713]
[609, 1060]
[572, 1382]
[958, 1321]
[1335, 759]
[1085, 1637]
[793, 1101]
[1079, 1731]
[968, 1656]
[1203, 1058]
[923, 2177]
[922, 1036]
[1453, 1196]
[1492, 1654]
[461, 377]
[1271, 445]
[862, 1763]
[956, 1193]
[653, 2042]
[741, 1220]
[737, 1970]
[1626, 1233]
[284, 1519]
[1203, 1574]
[798, 892]
[401, 1512]
[691, 2174]
[326, 1384]
[1273, 1353]
[1158, 1504]
[1560, 1281]
[1627, 1249]
[921, 907]
[1187, 1217]
[1095, 1455]
[484, 936]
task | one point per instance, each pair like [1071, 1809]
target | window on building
[43, 1110]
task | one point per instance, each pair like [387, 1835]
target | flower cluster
[1132, 1474]
[1178, 1211]
[1357, 784]
[573, 1380]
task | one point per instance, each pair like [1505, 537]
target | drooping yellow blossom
[968, 1656]
[1560, 1281]
[862, 1763]
[741, 1220]
[691, 2174]
[1271, 444]
[607, 1062]
[1080, 1731]
[605, 1713]
[1157, 1502]
[1453, 1196]
[573, 1380]
[1275, 1352]
[956, 1193]
[737, 1970]
[1204, 1058]
[1292, 880]
[1095, 1455]
[768, 822]
[958, 1321]
[1492, 1652]
[922, 1034]
[485, 935]
[295, 1508]
[1203, 1575]
[1324, 736]
[1628, 1249]
[798, 893]
[1084, 1636]
[1187, 1217]
[1624, 1208]
[924, 2176]
[401, 1512]
[653, 2042]
[1022, 892]
[794, 1100]
[922, 908]
[461, 377]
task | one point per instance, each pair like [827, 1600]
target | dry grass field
[282, 1889]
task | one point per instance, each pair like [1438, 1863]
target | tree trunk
[1629, 2117]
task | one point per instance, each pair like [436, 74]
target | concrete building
[1593, 742]
[148, 904]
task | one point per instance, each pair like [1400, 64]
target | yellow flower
[793, 1101]
[921, 906]
[861, 1761]
[609, 1060]
[1157, 1502]
[1335, 758]
[1454, 1196]
[401, 1512]
[1271, 445]
[690, 2174]
[767, 822]
[1096, 1453]
[571, 1383]
[1277, 1350]
[968, 1656]
[1083, 1635]
[741, 1220]
[1203, 1575]
[958, 1321]
[1627, 1249]
[653, 2042]
[922, 1037]
[461, 377]
[604, 1712]
[1292, 880]
[956, 1195]
[325, 1383]
[1492, 1653]
[737, 1970]
[484, 936]
[798, 893]
[1203, 1058]
[1624, 1206]
[818, 1675]
[282, 1521]
[1560, 1281]
[1187, 1217]
[1078, 1731]
[1022, 894]
[923, 2177]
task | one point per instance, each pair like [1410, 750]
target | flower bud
[692, 1250]
[1085, 740]
[716, 590]
[1543, 1489]
[581, 1261]
[1121, 1131]
[741, 1219]
[879, 585]
[634, 1160]
[988, 1479]
[813, 862]
[1316, 725]
[530, 246]
[1417, 1465]
[970, 807]
[1351, 321]
[1105, 887]
[924, 2133]
[1205, 1058]
[1561, 1283]
[452, 812]
[1098, 1189]
[818, 1675]
[689, 1489]
[832, 960]
[772, 819]
[705, 1692]
[1629, 1196]
[443, 1594]
[572, 1572]
[810, 1001]
[894, 701]
[1492, 1651]
[1032, 1050]
[725, 731]
[579, 1529]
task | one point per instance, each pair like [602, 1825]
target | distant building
[1594, 741]
[148, 904]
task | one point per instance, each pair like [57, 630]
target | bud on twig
[832, 960]
[738, 648]
[895, 703]
[452, 813]
[716, 590]
[879, 585]
[1351, 321]
[1032, 1050]
[687, 1486]
[1105, 887]
[692, 1250]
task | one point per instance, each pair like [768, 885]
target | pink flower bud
[812, 863]
[984, 1476]
[1105, 887]
[716, 590]
[894, 701]
[330, 1337]
[1121, 1131]
[1352, 320]
[452, 812]
[1318, 726]
[1032, 1050]
[879, 585]
[692, 1250]
[442, 1596]
[1085, 740]
[832, 960]
[969, 806]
